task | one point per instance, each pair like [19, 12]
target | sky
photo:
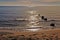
[29, 2]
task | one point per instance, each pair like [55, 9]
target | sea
[14, 17]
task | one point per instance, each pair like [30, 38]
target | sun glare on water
[33, 19]
[32, 29]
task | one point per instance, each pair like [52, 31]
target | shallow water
[8, 16]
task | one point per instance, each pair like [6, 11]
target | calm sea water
[20, 12]
[11, 13]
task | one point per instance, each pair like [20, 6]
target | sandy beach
[36, 35]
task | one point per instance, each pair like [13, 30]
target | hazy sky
[29, 2]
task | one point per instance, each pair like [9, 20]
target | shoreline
[40, 34]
